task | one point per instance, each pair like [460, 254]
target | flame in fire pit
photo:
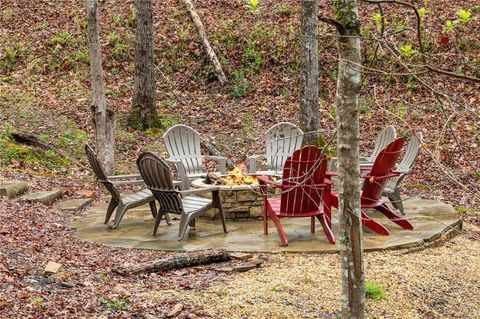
[237, 177]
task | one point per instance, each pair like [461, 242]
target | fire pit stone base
[238, 202]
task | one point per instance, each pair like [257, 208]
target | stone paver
[431, 219]
[13, 188]
[46, 198]
[73, 204]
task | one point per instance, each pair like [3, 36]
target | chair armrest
[252, 162]
[368, 177]
[182, 173]
[125, 177]
[221, 160]
[128, 182]
[200, 190]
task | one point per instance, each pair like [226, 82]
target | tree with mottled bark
[143, 114]
[309, 109]
[103, 117]
[348, 87]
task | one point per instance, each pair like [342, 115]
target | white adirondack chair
[281, 140]
[404, 167]
[183, 147]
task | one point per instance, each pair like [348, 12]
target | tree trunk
[143, 114]
[175, 263]
[103, 118]
[309, 112]
[348, 87]
[206, 43]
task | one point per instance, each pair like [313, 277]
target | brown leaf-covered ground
[44, 90]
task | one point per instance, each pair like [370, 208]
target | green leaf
[422, 12]
[464, 15]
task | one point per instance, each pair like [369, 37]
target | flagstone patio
[432, 220]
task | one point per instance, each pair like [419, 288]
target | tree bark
[348, 87]
[143, 114]
[206, 43]
[175, 263]
[103, 117]
[309, 112]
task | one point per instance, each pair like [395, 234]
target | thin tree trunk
[309, 112]
[103, 118]
[206, 43]
[348, 87]
[143, 114]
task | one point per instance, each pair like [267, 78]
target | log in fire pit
[239, 194]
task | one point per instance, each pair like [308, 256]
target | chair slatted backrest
[387, 135]
[99, 172]
[383, 165]
[156, 175]
[303, 181]
[183, 143]
[281, 141]
[411, 153]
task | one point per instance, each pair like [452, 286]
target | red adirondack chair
[373, 187]
[303, 192]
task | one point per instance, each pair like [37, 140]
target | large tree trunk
[206, 43]
[143, 114]
[309, 112]
[103, 118]
[348, 87]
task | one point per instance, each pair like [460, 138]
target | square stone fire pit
[239, 201]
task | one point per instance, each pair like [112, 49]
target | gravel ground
[438, 282]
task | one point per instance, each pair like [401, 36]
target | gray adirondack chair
[157, 177]
[121, 202]
[183, 147]
[281, 140]
[387, 135]
[404, 167]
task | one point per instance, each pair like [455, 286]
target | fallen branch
[215, 152]
[206, 43]
[175, 263]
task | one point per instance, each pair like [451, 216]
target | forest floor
[44, 91]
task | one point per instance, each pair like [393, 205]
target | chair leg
[121, 209]
[111, 207]
[396, 201]
[326, 228]
[327, 205]
[167, 218]
[265, 220]
[281, 232]
[374, 225]
[222, 216]
[153, 208]
[184, 221]
[312, 224]
[402, 222]
[158, 219]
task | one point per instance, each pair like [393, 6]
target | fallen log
[32, 140]
[215, 152]
[174, 263]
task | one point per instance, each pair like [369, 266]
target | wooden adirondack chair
[405, 166]
[157, 177]
[387, 135]
[183, 147]
[281, 140]
[303, 192]
[373, 187]
[125, 202]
